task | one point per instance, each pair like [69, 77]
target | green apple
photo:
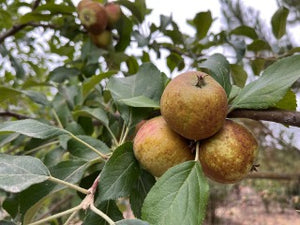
[102, 40]
[194, 105]
[93, 16]
[228, 156]
[158, 148]
[113, 11]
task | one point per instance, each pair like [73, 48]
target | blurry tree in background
[68, 109]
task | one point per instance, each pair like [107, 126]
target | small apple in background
[194, 105]
[228, 156]
[102, 40]
[113, 11]
[93, 16]
[158, 148]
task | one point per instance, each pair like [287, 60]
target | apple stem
[197, 151]
[201, 82]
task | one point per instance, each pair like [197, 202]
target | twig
[286, 117]
[15, 115]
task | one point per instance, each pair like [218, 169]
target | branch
[12, 114]
[273, 176]
[286, 117]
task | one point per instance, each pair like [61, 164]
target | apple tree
[72, 95]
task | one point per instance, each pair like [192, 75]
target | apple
[113, 11]
[93, 16]
[194, 105]
[102, 40]
[158, 148]
[228, 156]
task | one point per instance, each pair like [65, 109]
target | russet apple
[93, 16]
[103, 39]
[194, 105]
[158, 148]
[228, 156]
[113, 11]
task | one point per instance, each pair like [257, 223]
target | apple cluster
[99, 20]
[193, 110]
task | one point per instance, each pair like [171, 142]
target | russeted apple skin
[158, 148]
[93, 16]
[102, 40]
[113, 11]
[228, 156]
[195, 112]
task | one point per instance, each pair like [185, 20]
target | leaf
[288, 102]
[31, 128]
[83, 152]
[147, 82]
[245, 31]
[202, 22]
[140, 101]
[175, 60]
[132, 222]
[258, 65]
[109, 208]
[62, 73]
[238, 75]
[37, 97]
[19, 172]
[271, 87]
[119, 174]
[34, 16]
[140, 191]
[219, 69]
[179, 197]
[96, 113]
[124, 27]
[137, 8]
[89, 84]
[8, 93]
[278, 22]
[258, 45]
[5, 222]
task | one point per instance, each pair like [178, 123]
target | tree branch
[286, 117]
[15, 115]
[274, 176]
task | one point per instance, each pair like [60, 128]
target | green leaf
[140, 191]
[5, 222]
[258, 45]
[83, 152]
[288, 102]
[238, 75]
[271, 87]
[8, 93]
[140, 101]
[124, 27]
[137, 8]
[37, 97]
[62, 73]
[132, 222]
[55, 8]
[258, 65]
[19, 172]
[219, 69]
[89, 84]
[132, 65]
[31, 128]
[278, 22]
[109, 208]
[96, 113]
[179, 197]
[245, 31]
[202, 22]
[147, 82]
[34, 16]
[175, 60]
[119, 174]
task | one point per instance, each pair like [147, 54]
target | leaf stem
[41, 147]
[73, 186]
[102, 214]
[112, 135]
[71, 217]
[197, 151]
[88, 145]
[72, 210]
[57, 119]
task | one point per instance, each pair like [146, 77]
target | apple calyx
[200, 80]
